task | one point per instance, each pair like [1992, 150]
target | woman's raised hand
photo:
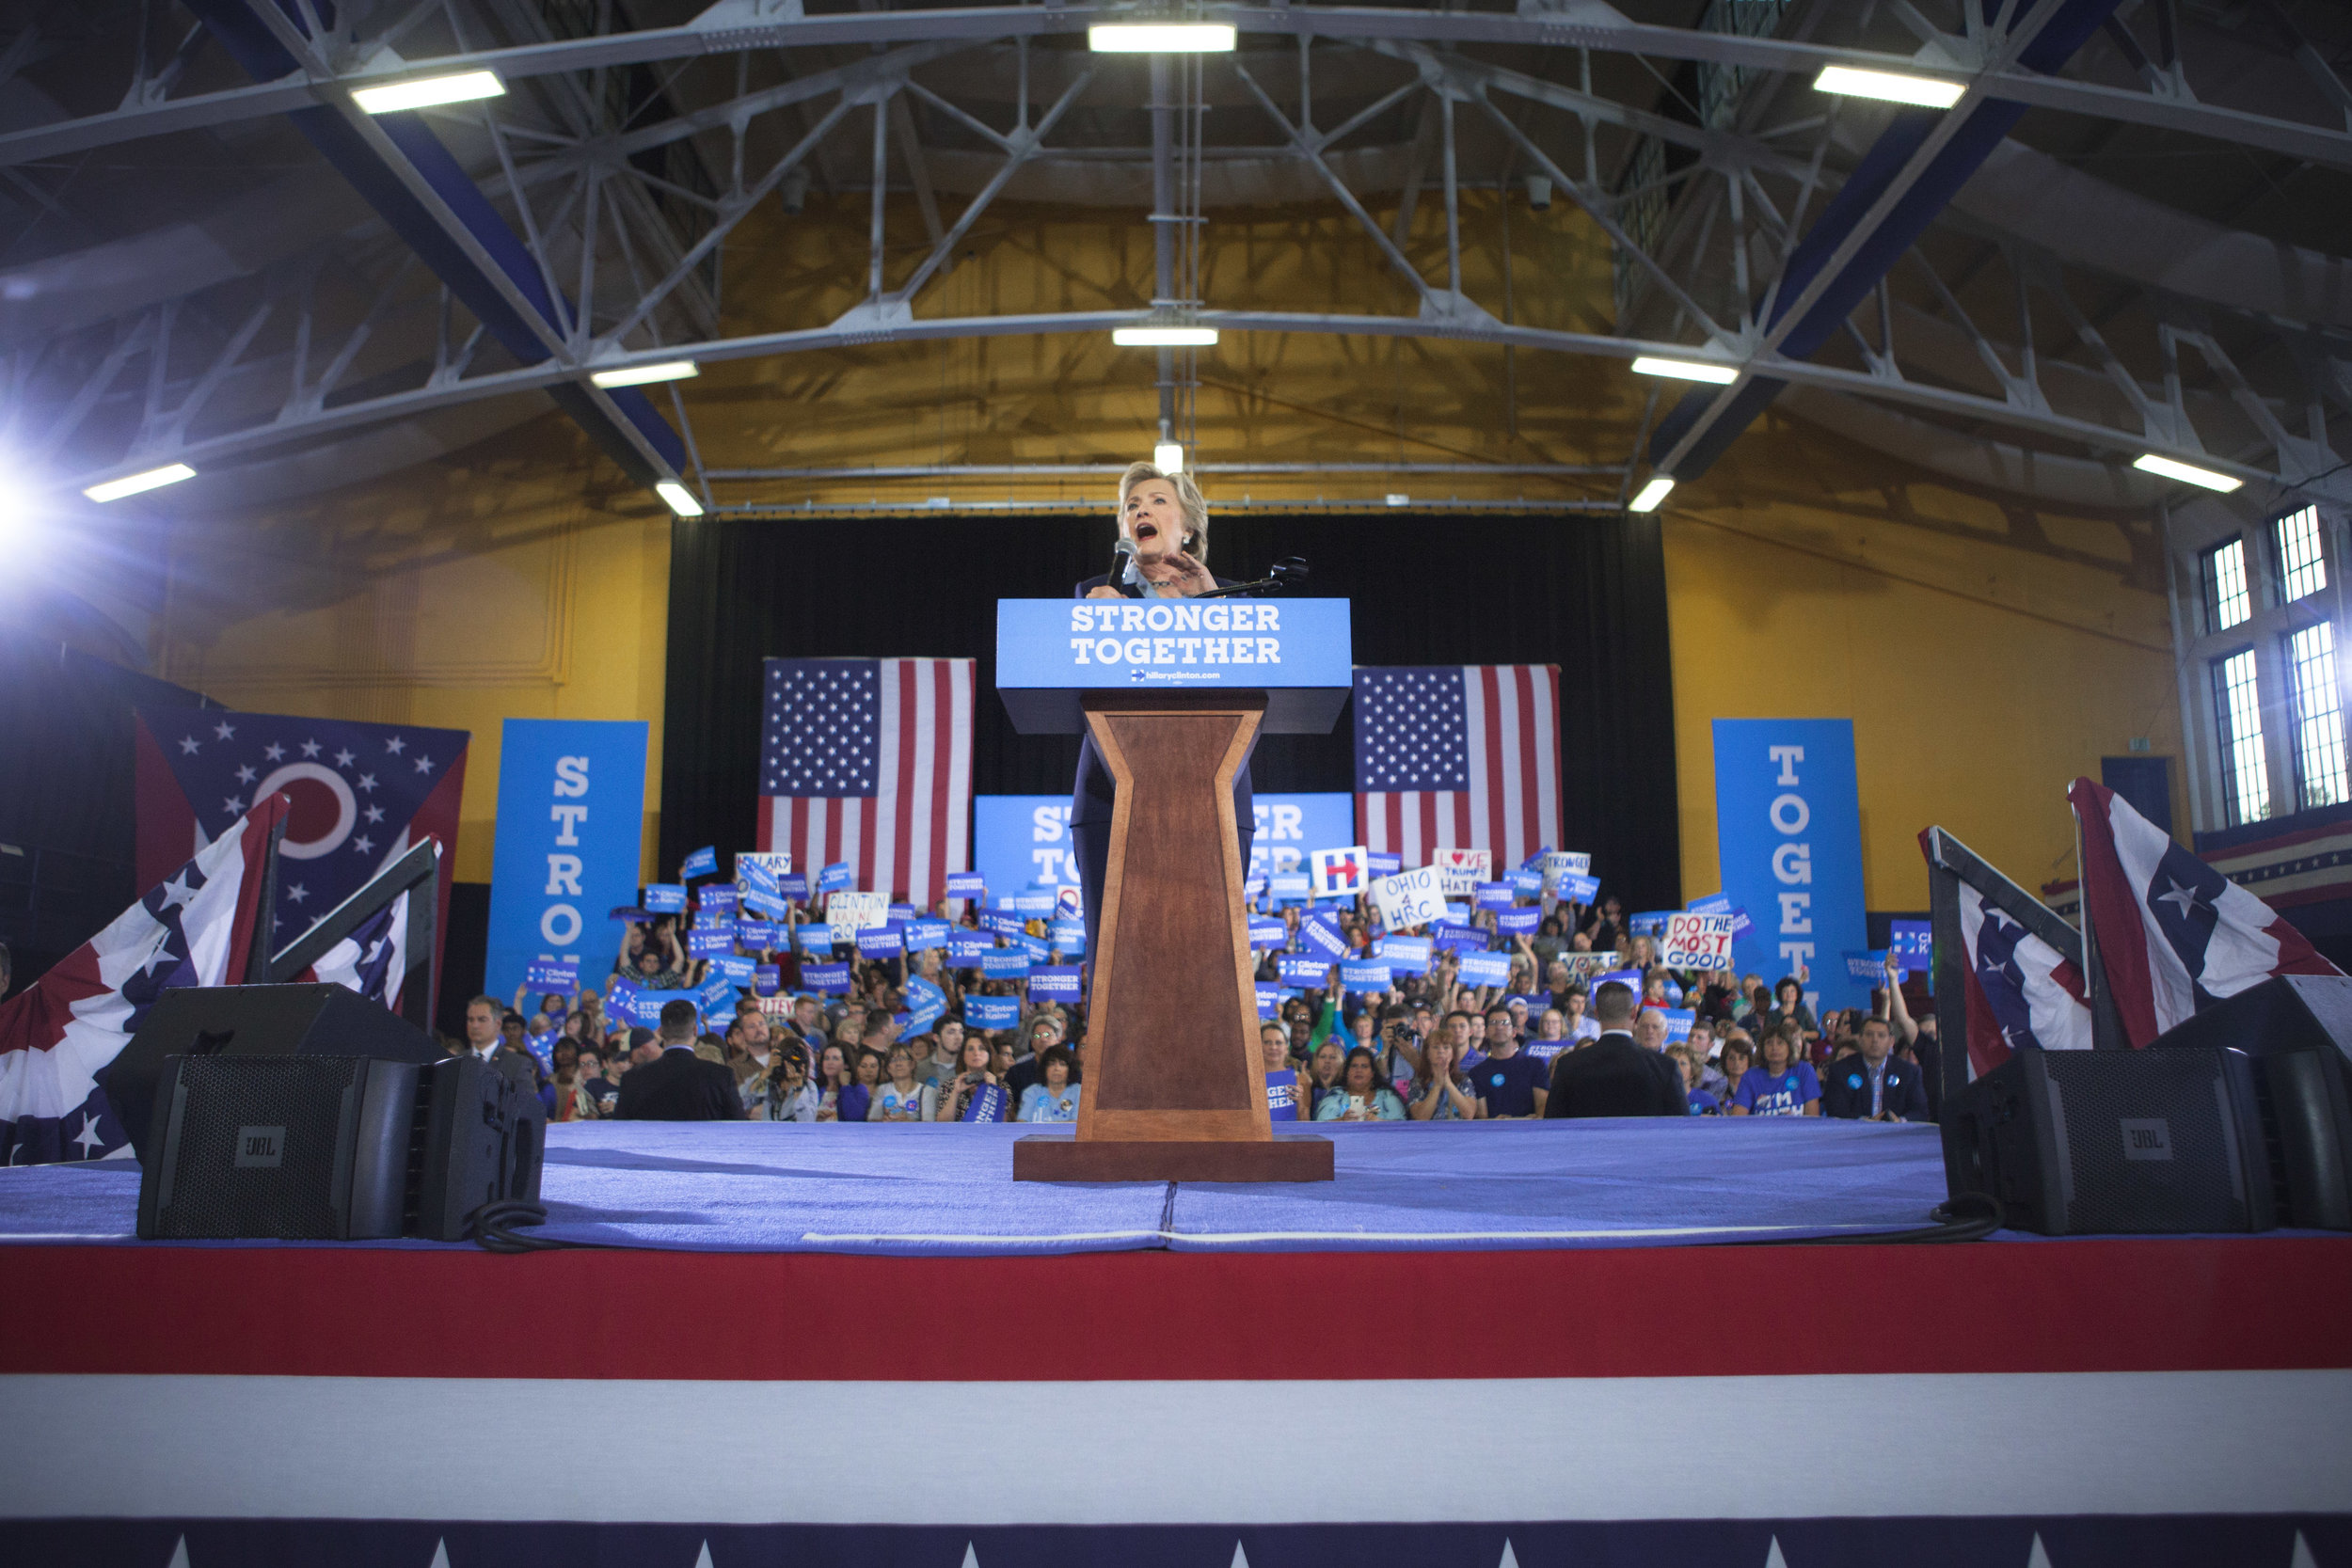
[1191, 576]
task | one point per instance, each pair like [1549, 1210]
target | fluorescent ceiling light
[1160, 38]
[154, 479]
[1686, 370]
[1652, 493]
[637, 375]
[423, 92]
[1164, 337]
[681, 500]
[1168, 457]
[1927, 92]
[2188, 473]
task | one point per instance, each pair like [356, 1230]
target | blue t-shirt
[1781, 1094]
[1508, 1084]
[1040, 1103]
[1702, 1103]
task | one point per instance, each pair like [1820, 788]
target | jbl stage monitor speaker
[2116, 1142]
[307, 1149]
[482, 1140]
[2298, 1029]
[253, 1021]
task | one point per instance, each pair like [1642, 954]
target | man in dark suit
[1614, 1076]
[678, 1085]
[1873, 1086]
[484, 1036]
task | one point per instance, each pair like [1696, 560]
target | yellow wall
[1986, 651]
[518, 581]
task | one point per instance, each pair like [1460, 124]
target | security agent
[1614, 1076]
[1873, 1086]
[678, 1085]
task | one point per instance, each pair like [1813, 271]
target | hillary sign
[1172, 644]
[1788, 827]
[570, 819]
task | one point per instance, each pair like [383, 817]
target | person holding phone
[1362, 1097]
[1164, 517]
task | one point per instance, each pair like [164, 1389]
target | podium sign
[1050, 652]
[1174, 694]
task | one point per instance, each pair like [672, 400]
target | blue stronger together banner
[571, 814]
[1788, 827]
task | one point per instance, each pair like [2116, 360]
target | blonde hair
[1188, 501]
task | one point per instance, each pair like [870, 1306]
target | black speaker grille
[232, 1176]
[2150, 1148]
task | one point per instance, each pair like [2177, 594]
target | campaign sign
[755, 869]
[709, 942]
[1492, 895]
[702, 862]
[1281, 1090]
[1268, 932]
[760, 936]
[1630, 979]
[1522, 921]
[1650, 922]
[883, 942]
[1459, 913]
[1913, 945]
[1313, 973]
[665, 898]
[1033, 946]
[991, 1012]
[1556, 863]
[924, 935]
[834, 877]
[1408, 898]
[1269, 999]
[1461, 870]
[925, 1005]
[1525, 884]
[1405, 955]
[1584, 966]
[848, 914]
[1697, 942]
[1451, 936]
[1340, 872]
[1720, 903]
[758, 901]
[1172, 645]
[1068, 936]
[717, 898]
[1053, 982]
[571, 816]
[1001, 922]
[1370, 976]
[1288, 887]
[735, 967]
[1383, 863]
[1034, 902]
[1004, 964]
[1319, 934]
[1789, 831]
[1485, 969]
[1679, 1022]
[966, 884]
[826, 979]
[966, 948]
[1867, 967]
[545, 974]
[1578, 890]
[793, 885]
[767, 979]
[814, 938]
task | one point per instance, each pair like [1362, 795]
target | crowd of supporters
[905, 1027]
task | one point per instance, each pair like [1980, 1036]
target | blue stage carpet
[948, 1191]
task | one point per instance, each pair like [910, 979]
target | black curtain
[69, 824]
[1588, 596]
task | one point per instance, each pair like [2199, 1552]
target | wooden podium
[1175, 1088]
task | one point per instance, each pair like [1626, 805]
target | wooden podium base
[1044, 1158]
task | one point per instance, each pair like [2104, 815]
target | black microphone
[1122, 565]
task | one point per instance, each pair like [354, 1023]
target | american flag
[195, 927]
[1462, 757]
[869, 761]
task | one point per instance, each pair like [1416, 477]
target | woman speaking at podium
[1163, 554]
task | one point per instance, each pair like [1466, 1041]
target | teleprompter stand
[1175, 1087]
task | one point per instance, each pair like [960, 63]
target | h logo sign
[261, 1146]
[2148, 1139]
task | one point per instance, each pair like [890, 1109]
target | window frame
[2228, 740]
[2209, 583]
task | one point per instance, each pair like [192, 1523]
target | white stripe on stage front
[1171, 1452]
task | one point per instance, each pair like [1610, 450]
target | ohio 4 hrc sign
[1697, 942]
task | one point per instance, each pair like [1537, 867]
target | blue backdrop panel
[1788, 828]
[571, 816]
